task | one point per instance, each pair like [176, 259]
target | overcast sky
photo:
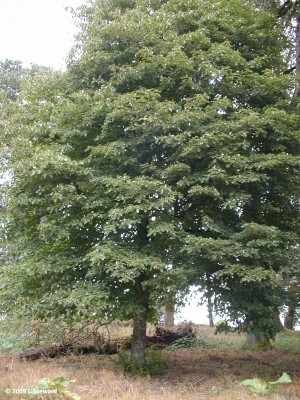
[37, 31]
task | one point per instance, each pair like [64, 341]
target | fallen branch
[161, 338]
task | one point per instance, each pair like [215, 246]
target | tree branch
[288, 71]
[286, 7]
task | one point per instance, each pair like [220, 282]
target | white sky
[37, 31]
[193, 311]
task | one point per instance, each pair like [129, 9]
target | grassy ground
[213, 372]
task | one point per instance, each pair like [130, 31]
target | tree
[166, 153]
[13, 75]
[169, 313]
[10, 78]
[289, 13]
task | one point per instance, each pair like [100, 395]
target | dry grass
[212, 373]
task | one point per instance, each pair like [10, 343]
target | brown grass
[202, 374]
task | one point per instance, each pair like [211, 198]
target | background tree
[13, 75]
[237, 157]
[10, 78]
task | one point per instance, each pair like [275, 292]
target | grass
[285, 340]
[210, 373]
[289, 341]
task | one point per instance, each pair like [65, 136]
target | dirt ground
[193, 374]
[193, 363]
[211, 372]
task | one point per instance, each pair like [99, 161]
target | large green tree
[167, 152]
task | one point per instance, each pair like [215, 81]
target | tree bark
[169, 312]
[210, 311]
[289, 319]
[257, 341]
[138, 344]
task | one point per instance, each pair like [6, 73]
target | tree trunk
[289, 319]
[169, 313]
[138, 344]
[259, 341]
[210, 311]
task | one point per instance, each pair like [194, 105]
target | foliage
[10, 343]
[224, 327]
[18, 334]
[10, 77]
[13, 76]
[15, 335]
[166, 155]
[60, 384]
[153, 365]
[264, 388]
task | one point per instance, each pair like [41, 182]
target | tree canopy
[13, 75]
[167, 153]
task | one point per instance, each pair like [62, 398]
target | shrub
[154, 364]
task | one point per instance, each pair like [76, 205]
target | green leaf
[257, 386]
[264, 388]
[285, 378]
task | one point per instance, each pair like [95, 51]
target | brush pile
[101, 345]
